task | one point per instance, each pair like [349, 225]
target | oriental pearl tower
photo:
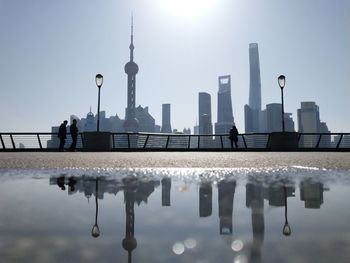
[131, 68]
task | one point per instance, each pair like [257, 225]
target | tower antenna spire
[132, 38]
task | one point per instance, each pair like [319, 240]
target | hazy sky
[51, 50]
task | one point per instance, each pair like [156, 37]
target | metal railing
[46, 141]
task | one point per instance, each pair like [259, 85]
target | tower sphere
[131, 68]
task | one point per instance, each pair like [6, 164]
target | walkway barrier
[45, 141]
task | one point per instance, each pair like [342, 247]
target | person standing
[62, 135]
[234, 136]
[74, 133]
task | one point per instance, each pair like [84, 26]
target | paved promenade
[173, 159]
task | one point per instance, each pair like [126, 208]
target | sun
[187, 8]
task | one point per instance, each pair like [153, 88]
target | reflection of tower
[225, 115]
[226, 193]
[255, 200]
[166, 187]
[311, 193]
[131, 69]
[129, 242]
[166, 126]
[205, 199]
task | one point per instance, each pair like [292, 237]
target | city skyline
[50, 63]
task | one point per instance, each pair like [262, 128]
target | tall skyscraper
[204, 109]
[255, 82]
[131, 69]
[225, 116]
[166, 126]
[252, 111]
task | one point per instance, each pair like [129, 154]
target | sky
[51, 50]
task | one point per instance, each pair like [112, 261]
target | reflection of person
[62, 134]
[60, 183]
[74, 133]
[233, 136]
[72, 182]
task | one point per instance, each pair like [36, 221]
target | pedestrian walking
[233, 136]
[62, 135]
[74, 134]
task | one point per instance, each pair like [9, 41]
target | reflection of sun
[187, 8]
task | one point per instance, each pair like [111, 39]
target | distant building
[145, 120]
[204, 108]
[187, 131]
[196, 129]
[274, 119]
[166, 126]
[309, 122]
[225, 115]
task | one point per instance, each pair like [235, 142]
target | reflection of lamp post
[286, 228]
[281, 83]
[95, 231]
[99, 82]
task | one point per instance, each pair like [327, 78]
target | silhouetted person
[62, 134]
[234, 136]
[74, 133]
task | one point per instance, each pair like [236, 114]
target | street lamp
[281, 83]
[99, 82]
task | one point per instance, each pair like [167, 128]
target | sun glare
[187, 8]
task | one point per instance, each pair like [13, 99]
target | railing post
[318, 142]
[82, 140]
[167, 142]
[189, 142]
[13, 142]
[268, 141]
[341, 138]
[128, 141]
[2, 142]
[222, 143]
[40, 145]
[245, 144]
[144, 146]
[113, 142]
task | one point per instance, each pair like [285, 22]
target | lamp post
[286, 228]
[281, 83]
[99, 82]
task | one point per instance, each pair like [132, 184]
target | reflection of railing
[175, 142]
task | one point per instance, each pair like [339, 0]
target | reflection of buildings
[205, 199]
[166, 187]
[226, 194]
[255, 200]
[311, 193]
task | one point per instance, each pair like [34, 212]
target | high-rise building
[252, 111]
[166, 126]
[204, 108]
[274, 119]
[308, 122]
[225, 115]
[131, 69]
[255, 81]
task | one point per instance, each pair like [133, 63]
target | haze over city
[52, 50]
